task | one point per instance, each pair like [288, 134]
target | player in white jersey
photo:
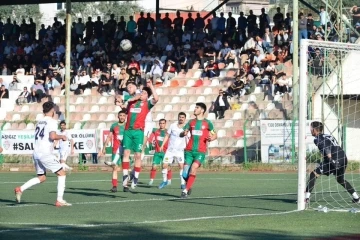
[65, 147]
[175, 150]
[45, 135]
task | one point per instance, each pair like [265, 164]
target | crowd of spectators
[254, 46]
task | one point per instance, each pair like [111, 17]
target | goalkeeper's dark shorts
[327, 168]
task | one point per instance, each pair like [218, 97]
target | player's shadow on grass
[275, 199]
[91, 192]
[23, 203]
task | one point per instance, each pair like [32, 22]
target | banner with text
[277, 137]
[22, 142]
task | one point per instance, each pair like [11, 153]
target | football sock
[169, 175]
[125, 166]
[152, 174]
[190, 181]
[181, 177]
[164, 175]
[114, 182]
[355, 195]
[61, 188]
[137, 171]
[30, 183]
[311, 182]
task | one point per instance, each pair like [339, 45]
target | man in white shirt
[156, 70]
[65, 147]
[45, 135]
[175, 150]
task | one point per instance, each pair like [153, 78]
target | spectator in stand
[13, 85]
[221, 104]
[4, 93]
[37, 91]
[236, 87]
[79, 29]
[211, 70]
[278, 18]
[24, 97]
[169, 71]
[303, 34]
[5, 71]
[105, 84]
[156, 71]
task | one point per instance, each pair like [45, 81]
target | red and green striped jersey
[199, 130]
[157, 137]
[117, 131]
[137, 111]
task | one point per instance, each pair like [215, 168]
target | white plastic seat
[175, 99]
[72, 108]
[39, 116]
[207, 91]
[117, 109]
[214, 143]
[190, 83]
[110, 117]
[244, 107]
[167, 108]
[197, 74]
[200, 99]
[77, 126]
[270, 106]
[16, 117]
[24, 108]
[94, 108]
[30, 126]
[86, 117]
[258, 89]
[79, 100]
[103, 100]
[192, 107]
[237, 115]
[7, 126]
[56, 100]
[215, 82]
[211, 116]
[101, 125]
[159, 91]
[182, 91]
[221, 133]
[87, 92]
[2, 114]
[159, 116]
[252, 98]
[229, 124]
[240, 143]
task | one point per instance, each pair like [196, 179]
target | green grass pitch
[222, 206]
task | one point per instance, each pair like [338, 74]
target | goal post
[329, 87]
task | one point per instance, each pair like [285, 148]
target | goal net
[329, 93]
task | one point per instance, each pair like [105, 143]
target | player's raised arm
[108, 139]
[155, 98]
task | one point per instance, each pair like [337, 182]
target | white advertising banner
[276, 140]
[22, 142]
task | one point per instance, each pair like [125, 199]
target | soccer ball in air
[126, 45]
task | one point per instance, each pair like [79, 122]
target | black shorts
[327, 168]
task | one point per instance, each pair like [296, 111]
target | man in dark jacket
[221, 105]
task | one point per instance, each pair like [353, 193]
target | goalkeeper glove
[335, 163]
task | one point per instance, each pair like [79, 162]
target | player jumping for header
[175, 150]
[335, 161]
[138, 107]
[116, 134]
[45, 135]
[202, 131]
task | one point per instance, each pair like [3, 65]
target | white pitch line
[133, 223]
[152, 199]
[201, 179]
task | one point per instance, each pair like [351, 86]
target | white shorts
[149, 126]
[173, 155]
[43, 161]
[64, 155]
